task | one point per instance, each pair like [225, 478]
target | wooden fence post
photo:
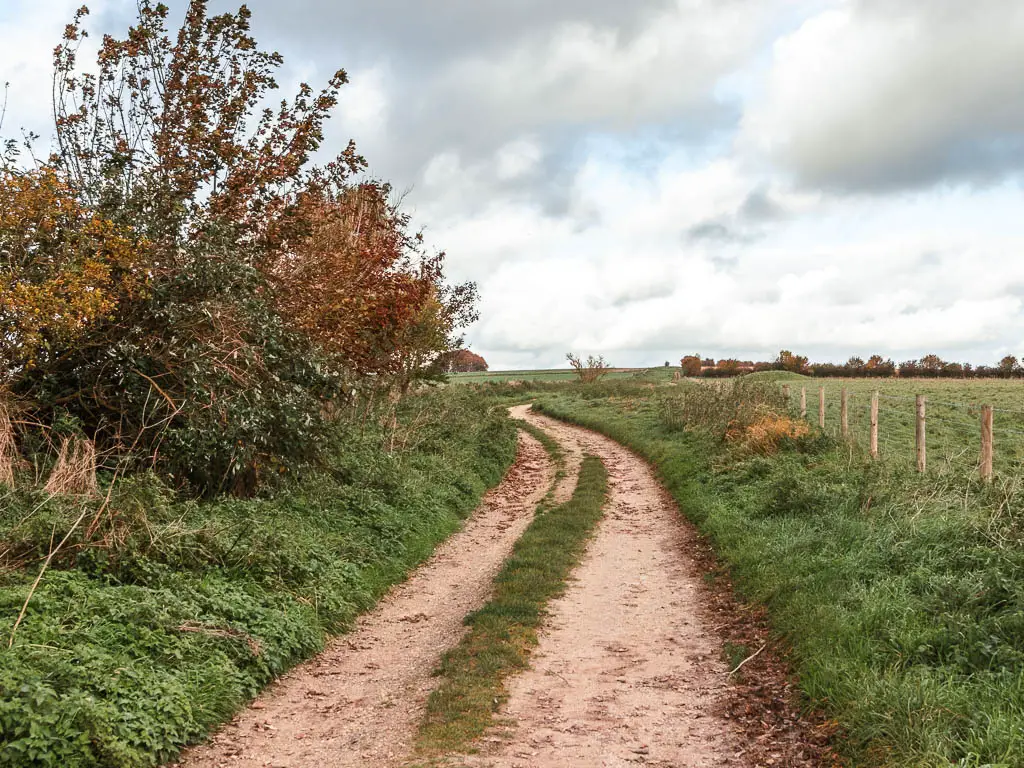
[986, 443]
[919, 435]
[803, 402]
[821, 407]
[785, 394]
[874, 425]
[844, 417]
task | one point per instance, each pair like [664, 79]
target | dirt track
[629, 669]
[359, 702]
[626, 673]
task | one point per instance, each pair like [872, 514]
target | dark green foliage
[176, 613]
[902, 596]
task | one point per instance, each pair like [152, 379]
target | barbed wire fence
[916, 430]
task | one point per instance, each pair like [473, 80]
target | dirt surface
[630, 668]
[627, 671]
[360, 701]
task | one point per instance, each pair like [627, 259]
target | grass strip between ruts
[503, 632]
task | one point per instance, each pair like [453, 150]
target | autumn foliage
[691, 365]
[179, 280]
[63, 269]
[464, 361]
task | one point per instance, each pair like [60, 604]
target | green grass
[953, 417]
[901, 596]
[780, 376]
[503, 632]
[177, 613]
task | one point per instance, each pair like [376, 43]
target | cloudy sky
[652, 178]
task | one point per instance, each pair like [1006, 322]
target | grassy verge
[173, 614]
[901, 596]
[503, 632]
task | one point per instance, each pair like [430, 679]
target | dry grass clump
[75, 470]
[8, 448]
[764, 434]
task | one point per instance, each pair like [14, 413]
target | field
[953, 416]
[567, 375]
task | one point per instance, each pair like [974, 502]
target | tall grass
[901, 595]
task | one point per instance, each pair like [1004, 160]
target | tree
[930, 366]
[878, 366]
[63, 271]
[423, 347]
[171, 274]
[1009, 366]
[590, 371]
[724, 369]
[356, 281]
[691, 365]
[464, 361]
[787, 361]
[163, 146]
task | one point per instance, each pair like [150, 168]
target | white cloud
[365, 106]
[615, 276]
[586, 73]
[872, 94]
[29, 31]
[518, 158]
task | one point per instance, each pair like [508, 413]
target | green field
[660, 373]
[953, 410]
[953, 417]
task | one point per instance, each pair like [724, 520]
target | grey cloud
[425, 33]
[660, 290]
[469, 76]
[759, 206]
[719, 232]
[879, 96]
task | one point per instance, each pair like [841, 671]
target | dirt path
[359, 702]
[627, 672]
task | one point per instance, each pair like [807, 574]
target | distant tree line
[876, 366]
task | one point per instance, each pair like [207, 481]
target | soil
[629, 670]
[360, 701]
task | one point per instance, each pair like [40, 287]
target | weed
[171, 614]
[8, 448]
[75, 469]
